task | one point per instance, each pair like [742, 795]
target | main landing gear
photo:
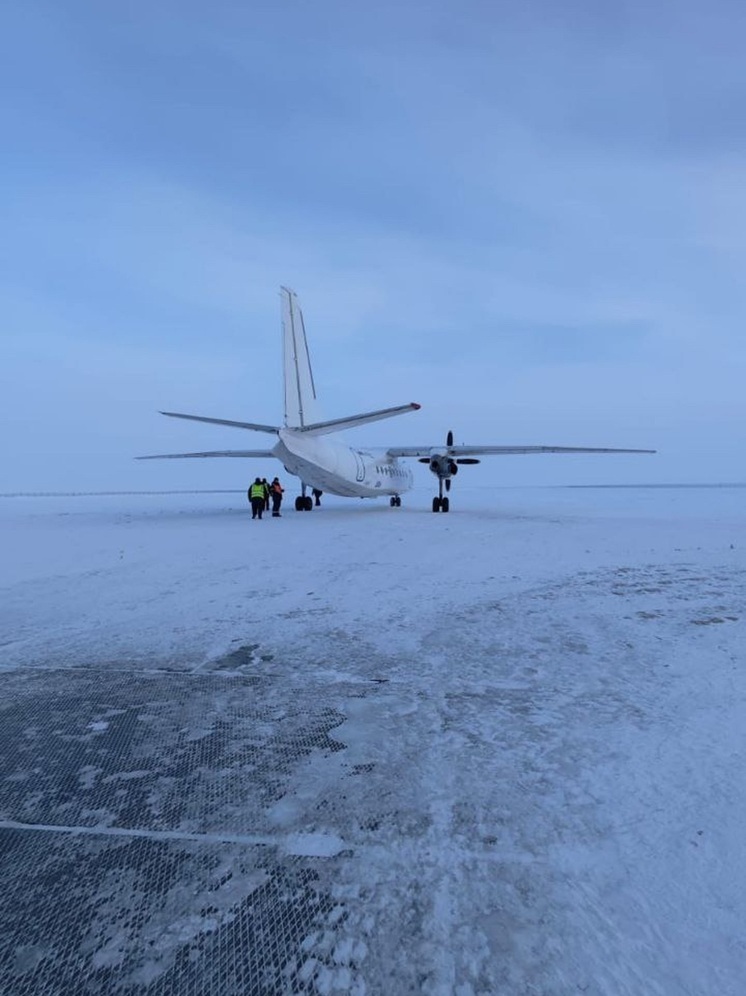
[395, 501]
[304, 502]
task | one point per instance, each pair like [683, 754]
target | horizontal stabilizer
[465, 451]
[224, 421]
[213, 453]
[352, 421]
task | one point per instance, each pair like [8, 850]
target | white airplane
[303, 446]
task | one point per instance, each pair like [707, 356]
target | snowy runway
[373, 750]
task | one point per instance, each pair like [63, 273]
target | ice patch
[313, 845]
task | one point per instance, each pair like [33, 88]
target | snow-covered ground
[374, 750]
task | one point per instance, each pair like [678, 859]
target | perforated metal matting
[141, 848]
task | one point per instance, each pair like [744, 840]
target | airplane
[303, 446]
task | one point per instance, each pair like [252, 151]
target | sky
[529, 218]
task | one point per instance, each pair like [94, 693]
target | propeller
[445, 466]
[449, 444]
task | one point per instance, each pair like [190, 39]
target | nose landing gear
[395, 501]
[444, 466]
[441, 502]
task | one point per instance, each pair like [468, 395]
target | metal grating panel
[164, 751]
[83, 916]
[138, 851]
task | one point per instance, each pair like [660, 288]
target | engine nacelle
[443, 466]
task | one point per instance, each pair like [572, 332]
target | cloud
[529, 219]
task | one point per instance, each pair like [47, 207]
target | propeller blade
[449, 438]
[466, 461]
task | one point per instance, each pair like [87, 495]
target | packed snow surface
[371, 750]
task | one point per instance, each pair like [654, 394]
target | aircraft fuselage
[336, 468]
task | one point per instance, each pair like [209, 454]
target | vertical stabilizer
[300, 391]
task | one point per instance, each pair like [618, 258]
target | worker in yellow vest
[256, 497]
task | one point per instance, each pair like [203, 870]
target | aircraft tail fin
[300, 390]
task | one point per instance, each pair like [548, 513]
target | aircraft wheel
[444, 505]
[436, 504]
[307, 504]
[299, 504]
[398, 501]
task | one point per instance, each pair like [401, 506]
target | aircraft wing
[212, 453]
[467, 451]
[224, 421]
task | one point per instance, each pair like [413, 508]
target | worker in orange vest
[276, 490]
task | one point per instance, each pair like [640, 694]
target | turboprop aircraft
[303, 446]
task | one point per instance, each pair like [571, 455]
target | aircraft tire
[307, 504]
[436, 504]
[299, 504]
[444, 505]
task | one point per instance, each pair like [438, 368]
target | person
[317, 495]
[256, 497]
[277, 493]
[266, 494]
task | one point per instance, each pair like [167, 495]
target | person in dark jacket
[277, 491]
[257, 498]
[266, 494]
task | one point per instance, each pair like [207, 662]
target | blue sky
[528, 217]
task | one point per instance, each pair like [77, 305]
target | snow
[506, 743]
